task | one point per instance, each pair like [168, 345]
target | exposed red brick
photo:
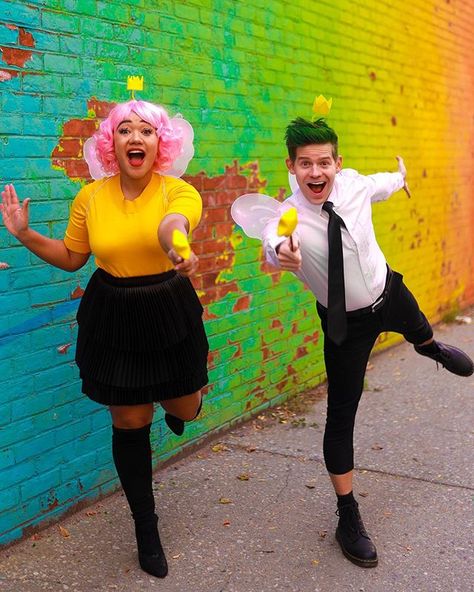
[75, 169]
[242, 303]
[209, 279]
[52, 503]
[100, 108]
[233, 169]
[271, 270]
[202, 233]
[80, 128]
[215, 215]
[211, 357]
[253, 180]
[7, 75]
[207, 316]
[15, 57]
[197, 282]
[223, 229]
[277, 324]
[210, 183]
[238, 352]
[236, 182]
[208, 199]
[225, 197]
[196, 181]
[209, 296]
[282, 384]
[212, 246]
[224, 289]
[77, 293]
[207, 264]
[314, 337]
[63, 349]
[300, 352]
[68, 147]
[26, 38]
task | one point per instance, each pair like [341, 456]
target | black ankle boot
[353, 538]
[150, 552]
[176, 424]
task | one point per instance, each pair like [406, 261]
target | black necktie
[337, 322]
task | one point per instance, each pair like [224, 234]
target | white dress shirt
[365, 267]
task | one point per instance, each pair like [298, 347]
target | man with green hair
[336, 254]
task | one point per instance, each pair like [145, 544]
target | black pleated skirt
[140, 339]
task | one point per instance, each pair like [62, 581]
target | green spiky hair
[301, 132]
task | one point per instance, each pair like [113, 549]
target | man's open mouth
[136, 157]
[317, 187]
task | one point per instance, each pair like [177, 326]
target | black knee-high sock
[131, 451]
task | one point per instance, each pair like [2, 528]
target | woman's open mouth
[136, 157]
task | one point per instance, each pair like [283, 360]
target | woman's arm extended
[16, 219]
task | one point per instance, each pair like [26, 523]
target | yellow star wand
[287, 224]
[181, 244]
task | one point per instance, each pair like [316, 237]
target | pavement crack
[413, 478]
[320, 460]
[285, 485]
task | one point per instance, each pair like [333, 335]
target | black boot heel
[150, 552]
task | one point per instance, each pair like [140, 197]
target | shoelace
[352, 520]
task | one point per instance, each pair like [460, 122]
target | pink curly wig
[170, 144]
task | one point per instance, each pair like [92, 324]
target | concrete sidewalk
[254, 510]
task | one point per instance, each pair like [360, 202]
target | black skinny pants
[346, 365]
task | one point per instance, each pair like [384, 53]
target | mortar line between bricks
[356, 468]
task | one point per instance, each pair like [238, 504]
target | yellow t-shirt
[123, 234]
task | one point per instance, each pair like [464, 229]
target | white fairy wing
[292, 182]
[185, 130]
[90, 156]
[252, 211]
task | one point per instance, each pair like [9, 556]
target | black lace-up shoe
[450, 357]
[353, 538]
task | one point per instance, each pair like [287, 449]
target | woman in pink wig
[141, 338]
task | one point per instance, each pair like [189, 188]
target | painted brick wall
[402, 83]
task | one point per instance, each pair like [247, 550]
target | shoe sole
[356, 560]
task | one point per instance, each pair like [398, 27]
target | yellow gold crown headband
[134, 83]
[321, 106]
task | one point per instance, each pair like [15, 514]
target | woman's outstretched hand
[186, 267]
[15, 215]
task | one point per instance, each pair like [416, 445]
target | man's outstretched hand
[402, 169]
[289, 254]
